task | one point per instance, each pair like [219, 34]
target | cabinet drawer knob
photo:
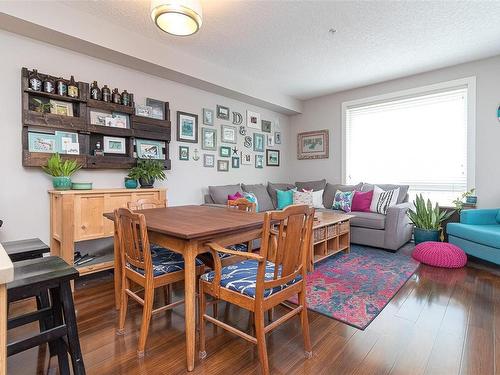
[84, 227]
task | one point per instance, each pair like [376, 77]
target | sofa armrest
[398, 228]
[479, 217]
[207, 198]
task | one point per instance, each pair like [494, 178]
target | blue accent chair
[478, 233]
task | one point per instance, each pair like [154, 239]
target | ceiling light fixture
[177, 17]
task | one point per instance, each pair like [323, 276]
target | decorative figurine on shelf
[35, 81]
[98, 150]
[49, 85]
[106, 94]
[116, 97]
[62, 87]
[95, 91]
[72, 88]
[125, 98]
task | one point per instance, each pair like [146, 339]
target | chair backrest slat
[145, 203]
[242, 204]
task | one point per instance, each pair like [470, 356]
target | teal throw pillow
[285, 198]
[252, 198]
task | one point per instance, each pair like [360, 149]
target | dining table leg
[190, 304]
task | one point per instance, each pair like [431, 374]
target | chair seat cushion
[243, 247]
[165, 261]
[488, 235]
[241, 277]
[440, 254]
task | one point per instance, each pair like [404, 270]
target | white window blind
[419, 140]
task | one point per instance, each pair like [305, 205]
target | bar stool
[36, 277]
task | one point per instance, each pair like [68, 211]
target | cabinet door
[89, 222]
[112, 202]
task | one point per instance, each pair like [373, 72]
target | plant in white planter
[60, 171]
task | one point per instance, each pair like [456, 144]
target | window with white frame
[419, 138]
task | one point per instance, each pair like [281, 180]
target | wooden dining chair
[264, 280]
[146, 203]
[149, 266]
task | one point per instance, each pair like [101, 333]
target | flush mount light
[177, 17]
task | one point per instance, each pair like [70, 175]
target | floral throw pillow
[342, 201]
[303, 197]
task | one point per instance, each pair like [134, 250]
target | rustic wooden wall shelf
[89, 134]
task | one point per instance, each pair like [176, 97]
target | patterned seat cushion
[165, 261]
[238, 247]
[242, 277]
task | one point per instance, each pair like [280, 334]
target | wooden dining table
[186, 230]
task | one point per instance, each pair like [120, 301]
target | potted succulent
[60, 171]
[147, 171]
[427, 219]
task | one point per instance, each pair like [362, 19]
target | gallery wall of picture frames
[229, 139]
[97, 126]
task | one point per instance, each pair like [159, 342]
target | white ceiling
[287, 44]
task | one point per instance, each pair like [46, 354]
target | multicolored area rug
[355, 287]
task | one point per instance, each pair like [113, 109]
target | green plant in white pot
[61, 171]
[427, 219]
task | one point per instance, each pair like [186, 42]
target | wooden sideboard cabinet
[77, 216]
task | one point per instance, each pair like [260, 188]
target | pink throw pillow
[233, 197]
[361, 201]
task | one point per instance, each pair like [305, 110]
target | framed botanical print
[187, 127]
[208, 139]
[208, 160]
[228, 134]
[183, 153]
[246, 158]
[147, 149]
[225, 151]
[253, 120]
[272, 158]
[222, 112]
[259, 161]
[313, 145]
[223, 165]
[235, 162]
[266, 126]
[259, 141]
[208, 116]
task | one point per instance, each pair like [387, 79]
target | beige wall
[24, 200]
[325, 113]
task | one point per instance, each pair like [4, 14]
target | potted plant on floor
[147, 171]
[60, 171]
[427, 219]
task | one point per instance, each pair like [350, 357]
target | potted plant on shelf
[60, 171]
[147, 171]
[470, 200]
[427, 219]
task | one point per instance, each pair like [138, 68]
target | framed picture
[183, 153]
[67, 143]
[266, 126]
[117, 120]
[270, 140]
[272, 158]
[208, 139]
[99, 117]
[313, 145]
[259, 161]
[61, 108]
[259, 142]
[208, 116]
[225, 151]
[208, 160]
[228, 134]
[144, 110]
[246, 158]
[157, 108]
[235, 162]
[277, 138]
[147, 149]
[114, 145]
[223, 165]
[253, 120]
[41, 142]
[222, 112]
[187, 127]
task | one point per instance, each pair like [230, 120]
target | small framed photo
[222, 112]
[117, 120]
[253, 120]
[144, 110]
[225, 151]
[259, 141]
[270, 140]
[235, 162]
[114, 145]
[246, 158]
[313, 145]
[266, 126]
[223, 165]
[157, 108]
[67, 142]
[61, 108]
[147, 149]
[208, 160]
[187, 127]
[272, 158]
[277, 138]
[99, 117]
[41, 142]
[208, 139]
[208, 116]
[228, 134]
[259, 161]
[183, 153]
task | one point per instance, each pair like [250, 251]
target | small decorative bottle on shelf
[48, 85]
[62, 87]
[72, 88]
[106, 94]
[35, 81]
[125, 98]
[98, 150]
[116, 97]
[95, 91]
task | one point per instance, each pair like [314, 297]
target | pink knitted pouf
[440, 254]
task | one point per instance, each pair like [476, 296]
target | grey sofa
[389, 231]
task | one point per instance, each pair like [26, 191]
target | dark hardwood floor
[440, 322]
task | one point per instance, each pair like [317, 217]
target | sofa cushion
[488, 235]
[383, 199]
[263, 197]
[311, 185]
[331, 189]
[343, 201]
[285, 198]
[272, 187]
[361, 201]
[219, 193]
[370, 220]
[403, 190]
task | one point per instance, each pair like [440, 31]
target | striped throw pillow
[383, 199]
